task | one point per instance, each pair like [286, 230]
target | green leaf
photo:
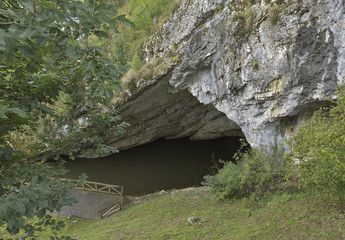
[17, 111]
[49, 5]
[28, 5]
[3, 209]
[79, 5]
[24, 33]
[30, 69]
[30, 213]
[27, 50]
[10, 46]
[2, 38]
[41, 213]
[122, 19]
[101, 34]
[34, 180]
[46, 109]
[117, 86]
[99, 50]
[63, 39]
[107, 102]
[70, 52]
[10, 223]
[109, 93]
[103, 8]
[102, 92]
[2, 114]
[20, 207]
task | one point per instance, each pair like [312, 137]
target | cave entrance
[160, 165]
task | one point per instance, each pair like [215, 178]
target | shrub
[319, 146]
[136, 63]
[130, 80]
[162, 68]
[255, 172]
[246, 21]
[274, 12]
[147, 72]
[175, 59]
[250, 16]
[156, 61]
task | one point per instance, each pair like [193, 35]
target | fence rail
[101, 188]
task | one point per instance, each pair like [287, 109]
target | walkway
[95, 200]
[89, 203]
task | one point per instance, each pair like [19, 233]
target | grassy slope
[283, 216]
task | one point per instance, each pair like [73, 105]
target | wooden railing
[101, 188]
[112, 208]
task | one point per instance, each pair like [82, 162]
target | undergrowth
[255, 173]
[318, 150]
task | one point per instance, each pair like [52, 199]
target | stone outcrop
[241, 72]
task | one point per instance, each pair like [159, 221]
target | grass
[281, 216]
[274, 12]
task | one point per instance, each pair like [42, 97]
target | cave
[159, 165]
[173, 141]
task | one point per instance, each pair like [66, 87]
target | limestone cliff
[242, 70]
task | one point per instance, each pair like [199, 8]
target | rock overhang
[158, 112]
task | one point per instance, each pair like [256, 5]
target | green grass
[280, 216]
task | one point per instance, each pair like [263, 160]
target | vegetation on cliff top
[125, 45]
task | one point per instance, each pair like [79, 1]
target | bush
[319, 149]
[162, 68]
[147, 72]
[255, 172]
[274, 12]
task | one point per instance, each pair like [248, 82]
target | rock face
[243, 71]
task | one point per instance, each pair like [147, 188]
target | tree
[44, 53]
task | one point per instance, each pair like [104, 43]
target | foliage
[274, 12]
[28, 190]
[255, 172]
[89, 133]
[319, 149]
[245, 20]
[44, 50]
[148, 17]
[45, 53]
[175, 59]
[218, 10]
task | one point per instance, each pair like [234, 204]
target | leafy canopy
[45, 52]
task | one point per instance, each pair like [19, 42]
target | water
[161, 165]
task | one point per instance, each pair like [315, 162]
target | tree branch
[34, 4]
[8, 23]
